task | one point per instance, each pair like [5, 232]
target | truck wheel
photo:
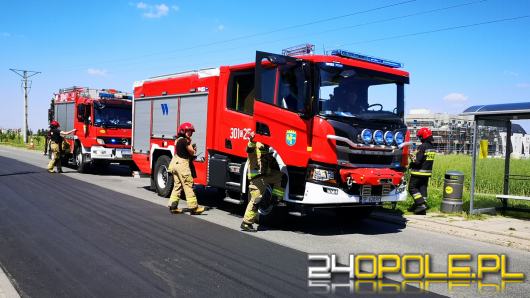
[276, 218]
[163, 179]
[80, 160]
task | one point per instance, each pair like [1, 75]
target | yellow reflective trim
[420, 174]
[278, 192]
[252, 144]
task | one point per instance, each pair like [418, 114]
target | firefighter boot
[246, 227]
[174, 209]
[418, 200]
[421, 207]
[198, 210]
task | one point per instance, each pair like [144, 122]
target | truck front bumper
[99, 152]
[318, 194]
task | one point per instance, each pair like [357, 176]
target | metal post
[25, 76]
[25, 132]
[506, 188]
[473, 166]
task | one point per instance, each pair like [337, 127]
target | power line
[322, 32]
[25, 74]
[260, 33]
[437, 30]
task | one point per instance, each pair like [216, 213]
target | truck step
[234, 201]
[297, 213]
[234, 168]
[233, 186]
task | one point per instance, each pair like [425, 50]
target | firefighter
[421, 170]
[47, 141]
[181, 166]
[56, 141]
[262, 175]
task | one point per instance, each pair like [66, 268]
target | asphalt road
[320, 233]
[66, 238]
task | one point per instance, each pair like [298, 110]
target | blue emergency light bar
[114, 95]
[346, 54]
[105, 95]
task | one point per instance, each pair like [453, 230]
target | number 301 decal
[239, 133]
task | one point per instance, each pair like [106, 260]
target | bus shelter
[499, 115]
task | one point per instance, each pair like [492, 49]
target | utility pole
[25, 74]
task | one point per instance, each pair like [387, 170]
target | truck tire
[162, 178]
[80, 160]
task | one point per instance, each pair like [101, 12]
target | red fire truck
[335, 124]
[103, 119]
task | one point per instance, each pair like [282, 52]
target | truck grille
[369, 190]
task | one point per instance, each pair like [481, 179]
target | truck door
[282, 109]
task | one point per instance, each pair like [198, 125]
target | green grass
[489, 182]
[38, 142]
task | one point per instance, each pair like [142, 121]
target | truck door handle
[228, 144]
[262, 129]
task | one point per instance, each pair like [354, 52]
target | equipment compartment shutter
[60, 115]
[141, 126]
[70, 114]
[194, 109]
[165, 112]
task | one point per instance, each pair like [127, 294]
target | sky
[459, 52]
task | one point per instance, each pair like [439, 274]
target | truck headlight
[322, 175]
[389, 138]
[378, 137]
[366, 136]
[100, 141]
[399, 137]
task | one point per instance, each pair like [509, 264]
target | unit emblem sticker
[290, 137]
[165, 109]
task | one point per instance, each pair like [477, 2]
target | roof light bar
[385, 62]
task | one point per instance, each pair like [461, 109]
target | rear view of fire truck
[334, 123]
[103, 119]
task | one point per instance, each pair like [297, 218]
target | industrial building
[454, 133]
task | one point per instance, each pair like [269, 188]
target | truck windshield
[357, 93]
[113, 116]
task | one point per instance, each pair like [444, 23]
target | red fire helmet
[185, 127]
[423, 133]
[54, 123]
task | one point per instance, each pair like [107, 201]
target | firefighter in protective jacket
[266, 181]
[421, 171]
[56, 143]
[181, 166]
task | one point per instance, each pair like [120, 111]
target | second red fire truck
[103, 119]
[335, 124]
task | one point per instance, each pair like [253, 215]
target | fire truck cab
[335, 124]
[103, 119]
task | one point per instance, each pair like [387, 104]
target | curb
[454, 230]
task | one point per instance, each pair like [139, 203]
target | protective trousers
[418, 188]
[182, 181]
[257, 188]
[56, 158]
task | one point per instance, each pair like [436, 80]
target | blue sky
[110, 44]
